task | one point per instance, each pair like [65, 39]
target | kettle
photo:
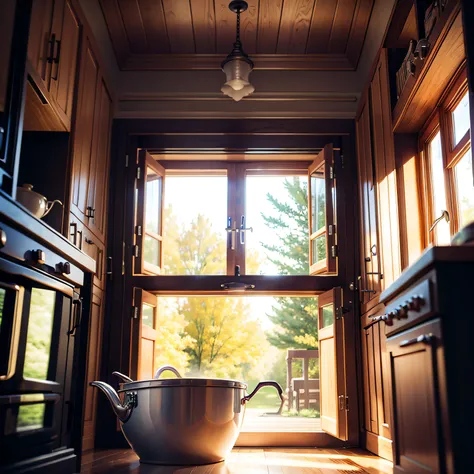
[37, 204]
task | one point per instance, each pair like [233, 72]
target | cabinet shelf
[432, 74]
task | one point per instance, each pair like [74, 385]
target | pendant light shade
[237, 66]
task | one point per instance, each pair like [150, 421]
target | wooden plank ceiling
[198, 34]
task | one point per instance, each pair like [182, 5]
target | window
[447, 164]
[225, 217]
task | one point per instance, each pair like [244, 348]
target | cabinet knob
[415, 303]
[3, 238]
[64, 268]
[39, 256]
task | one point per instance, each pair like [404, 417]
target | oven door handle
[77, 316]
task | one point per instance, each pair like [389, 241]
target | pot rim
[182, 382]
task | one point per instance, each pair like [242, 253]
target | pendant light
[237, 66]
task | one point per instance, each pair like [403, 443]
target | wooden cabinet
[52, 53]
[7, 20]
[91, 145]
[93, 365]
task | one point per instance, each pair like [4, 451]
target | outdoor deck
[257, 420]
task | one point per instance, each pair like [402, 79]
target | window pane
[277, 210]
[327, 316]
[40, 330]
[249, 339]
[442, 232]
[465, 189]
[461, 121]
[153, 201]
[318, 200]
[30, 417]
[148, 315]
[195, 239]
[319, 249]
[152, 252]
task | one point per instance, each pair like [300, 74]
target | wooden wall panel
[204, 21]
[342, 26]
[268, 25]
[294, 26]
[225, 27]
[116, 29]
[321, 26]
[179, 24]
[132, 20]
[358, 30]
[154, 24]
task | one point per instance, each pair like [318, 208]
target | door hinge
[347, 403]
[126, 161]
[136, 251]
[332, 229]
[332, 173]
[108, 270]
[135, 312]
[138, 230]
[342, 161]
[334, 251]
[343, 402]
[123, 258]
[139, 172]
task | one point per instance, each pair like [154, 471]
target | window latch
[231, 231]
[444, 215]
[243, 229]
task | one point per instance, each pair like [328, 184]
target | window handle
[232, 231]
[243, 229]
[444, 215]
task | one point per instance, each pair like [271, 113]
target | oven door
[37, 320]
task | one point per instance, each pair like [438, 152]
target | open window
[321, 209]
[334, 402]
[148, 250]
[144, 332]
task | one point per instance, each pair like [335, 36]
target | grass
[266, 398]
[304, 413]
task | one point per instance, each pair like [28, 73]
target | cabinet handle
[424, 338]
[77, 317]
[56, 59]
[52, 42]
[80, 240]
[373, 250]
[90, 212]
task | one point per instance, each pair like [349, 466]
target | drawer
[411, 307]
[27, 250]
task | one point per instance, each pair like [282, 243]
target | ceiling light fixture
[237, 65]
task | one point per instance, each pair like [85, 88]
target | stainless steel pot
[183, 420]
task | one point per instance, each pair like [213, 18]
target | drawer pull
[64, 268]
[424, 338]
[39, 256]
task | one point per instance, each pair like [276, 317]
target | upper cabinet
[52, 53]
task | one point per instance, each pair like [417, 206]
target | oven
[39, 317]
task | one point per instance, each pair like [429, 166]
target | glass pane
[327, 315]
[442, 231]
[318, 249]
[318, 200]
[465, 189]
[153, 188]
[40, 330]
[148, 315]
[277, 210]
[152, 251]
[249, 339]
[461, 121]
[30, 417]
[195, 239]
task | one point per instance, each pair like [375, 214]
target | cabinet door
[66, 29]
[83, 130]
[416, 373]
[7, 20]
[385, 174]
[93, 361]
[40, 42]
[97, 192]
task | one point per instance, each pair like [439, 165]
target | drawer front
[411, 307]
[27, 250]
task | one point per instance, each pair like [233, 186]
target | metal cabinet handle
[56, 59]
[51, 42]
[77, 316]
[444, 215]
[424, 338]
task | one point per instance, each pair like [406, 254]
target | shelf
[423, 90]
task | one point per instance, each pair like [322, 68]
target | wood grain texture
[342, 25]
[321, 26]
[116, 29]
[294, 26]
[204, 24]
[358, 31]
[132, 20]
[268, 25]
[249, 460]
[180, 25]
[154, 24]
[225, 27]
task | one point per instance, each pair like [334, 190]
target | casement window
[447, 169]
[259, 217]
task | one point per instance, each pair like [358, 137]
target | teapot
[37, 204]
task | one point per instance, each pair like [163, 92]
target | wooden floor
[248, 461]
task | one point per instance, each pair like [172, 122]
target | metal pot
[183, 420]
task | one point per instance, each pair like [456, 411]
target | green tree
[295, 318]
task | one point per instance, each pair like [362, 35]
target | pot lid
[183, 382]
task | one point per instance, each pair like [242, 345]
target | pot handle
[167, 367]
[123, 411]
[124, 377]
[50, 205]
[266, 383]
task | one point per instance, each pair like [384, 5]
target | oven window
[30, 417]
[40, 331]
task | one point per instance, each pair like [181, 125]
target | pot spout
[123, 411]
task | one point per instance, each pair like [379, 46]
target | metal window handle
[444, 215]
[243, 229]
[232, 231]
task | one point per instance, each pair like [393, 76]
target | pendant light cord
[237, 38]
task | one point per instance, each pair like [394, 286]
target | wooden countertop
[430, 257]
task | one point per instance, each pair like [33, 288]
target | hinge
[109, 268]
[342, 404]
[332, 173]
[342, 160]
[135, 312]
[347, 403]
[332, 229]
[138, 230]
[139, 172]
[334, 251]
[123, 258]
[126, 161]
[136, 251]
